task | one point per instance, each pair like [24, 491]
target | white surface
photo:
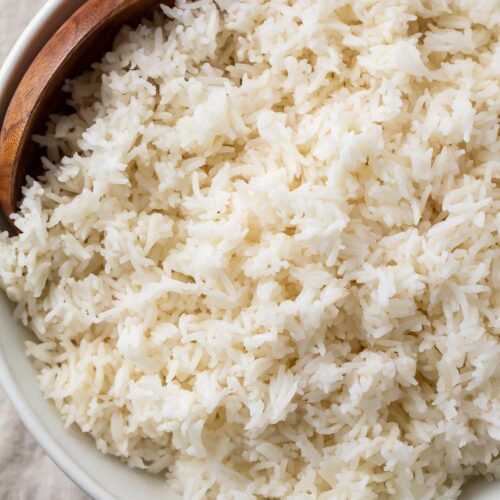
[25, 471]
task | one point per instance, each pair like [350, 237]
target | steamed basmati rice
[264, 258]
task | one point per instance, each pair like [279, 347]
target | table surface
[26, 472]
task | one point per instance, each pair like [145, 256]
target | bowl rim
[45, 22]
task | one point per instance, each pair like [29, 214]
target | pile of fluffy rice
[264, 259]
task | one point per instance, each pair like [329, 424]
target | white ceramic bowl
[100, 476]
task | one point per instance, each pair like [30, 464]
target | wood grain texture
[81, 40]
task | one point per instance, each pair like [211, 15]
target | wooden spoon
[81, 40]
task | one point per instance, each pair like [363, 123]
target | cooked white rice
[264, 259]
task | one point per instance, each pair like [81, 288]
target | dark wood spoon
[81, 40]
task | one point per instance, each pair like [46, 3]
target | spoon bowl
[81, 40]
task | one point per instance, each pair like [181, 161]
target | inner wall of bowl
[102, 477]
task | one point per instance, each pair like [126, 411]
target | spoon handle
[82, 39]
